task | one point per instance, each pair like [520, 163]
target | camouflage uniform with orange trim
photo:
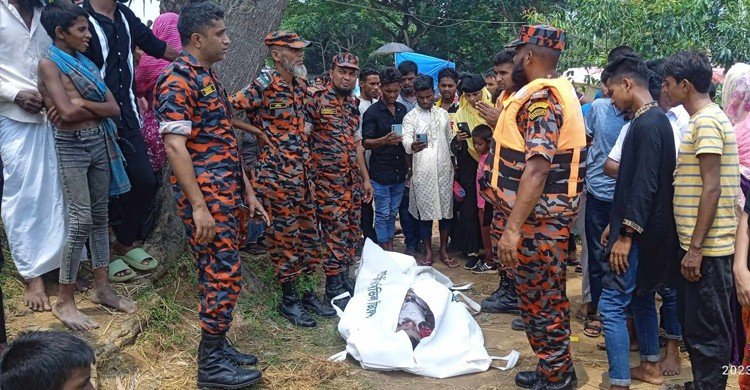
[541, 273]
[186, 91]
[335, 173]
[282, 177]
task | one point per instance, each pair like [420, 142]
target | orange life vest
[507, 157]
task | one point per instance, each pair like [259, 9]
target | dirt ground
[163, 356]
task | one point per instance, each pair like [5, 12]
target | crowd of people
[653, 174]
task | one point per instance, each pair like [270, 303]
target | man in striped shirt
[706, 189]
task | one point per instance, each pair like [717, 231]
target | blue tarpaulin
[426, 64]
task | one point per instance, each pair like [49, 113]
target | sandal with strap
[118, 266]
[135, 258]
[592, 327]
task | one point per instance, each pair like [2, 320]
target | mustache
[297, 70]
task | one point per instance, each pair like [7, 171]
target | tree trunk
[248, 22]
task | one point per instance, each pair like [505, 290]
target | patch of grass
[10, 280]
[168, 305]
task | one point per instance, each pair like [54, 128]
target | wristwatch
[625, 233]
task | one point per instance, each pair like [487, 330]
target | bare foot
[647, 372]
[34, 296]
[105, 295]
[451, 263]
[671, 364]
[427, 259]
[69, 315]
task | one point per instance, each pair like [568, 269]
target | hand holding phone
[463, 131]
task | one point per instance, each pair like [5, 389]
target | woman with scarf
[736, 99]
[149, 69]
[466, 236]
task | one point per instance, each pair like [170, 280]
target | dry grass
[164, 357]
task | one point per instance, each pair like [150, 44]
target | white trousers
[33, 212]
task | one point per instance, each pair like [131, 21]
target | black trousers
[367, 222]
[706, 320]
[128, 212]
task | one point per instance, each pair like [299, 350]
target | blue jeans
[387, 201]
[669, 320]
[612, 305]
[84, 170]
[409, 224]
[596, 220]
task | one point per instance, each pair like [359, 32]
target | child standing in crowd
[80, 106]
[47, 360]
[481, 136]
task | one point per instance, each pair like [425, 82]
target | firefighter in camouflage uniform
[535, 176]
[338, 170]
[274, 104]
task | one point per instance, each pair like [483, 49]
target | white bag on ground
[456, 345]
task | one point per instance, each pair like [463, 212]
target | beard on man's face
[297, 70]
[342, 91]
[519, 76]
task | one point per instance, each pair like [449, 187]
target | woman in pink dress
[148, 70]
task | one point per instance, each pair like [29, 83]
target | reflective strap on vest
[569, 171]
[496, 167]
[572, 187]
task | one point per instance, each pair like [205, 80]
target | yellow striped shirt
[710, 132]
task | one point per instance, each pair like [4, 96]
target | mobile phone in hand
[422, 138]
[397, 128]
[464, 128]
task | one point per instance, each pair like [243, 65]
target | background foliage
[469, 32]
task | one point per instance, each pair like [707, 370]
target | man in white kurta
[427, 135]
[32, 204]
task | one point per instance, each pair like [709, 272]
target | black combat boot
[507, 302]
[237, 357]
[335, 286]
[349, 283]
[569, 382]
[312, 304]
[291, 308]
[497, 294]
[535, 380]
[216, 371]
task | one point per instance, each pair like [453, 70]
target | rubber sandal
[134, 258]
[451, 263]
[592, 330]
[119, 266]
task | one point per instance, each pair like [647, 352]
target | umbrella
[393, 47]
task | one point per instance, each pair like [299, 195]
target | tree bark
[248, 22]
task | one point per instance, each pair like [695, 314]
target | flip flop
[135, 257]
[119, 266]
[451, 263]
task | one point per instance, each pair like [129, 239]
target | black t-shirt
[111, 49]
[388, 162]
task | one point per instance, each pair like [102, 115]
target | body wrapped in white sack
[456, 345]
